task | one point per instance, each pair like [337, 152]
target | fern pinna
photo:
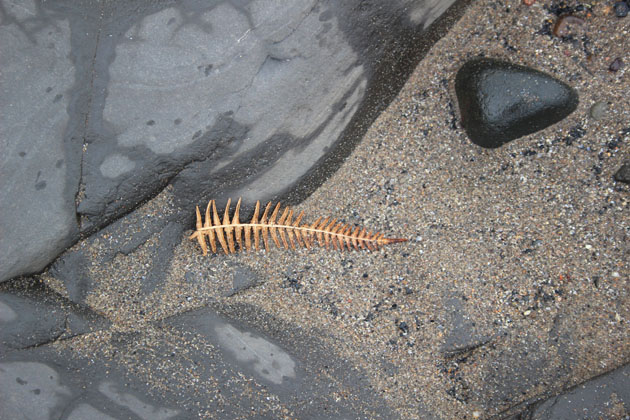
[285, 232]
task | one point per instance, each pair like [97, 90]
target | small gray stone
[598, 110]
[242, 278]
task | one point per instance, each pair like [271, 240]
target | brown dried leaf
[323, 232]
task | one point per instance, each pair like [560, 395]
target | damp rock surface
[106, 103]
[602, 397]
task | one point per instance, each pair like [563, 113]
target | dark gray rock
[71, 269]
[623, 174]
[294, 367]
[32, 316]
[236, 98]
[242, 279]
[604, 397]
[45, 384]
[194, 363]
[523, 364]
[38, 178]
[28, 323]
[501, 101]
[464, 334]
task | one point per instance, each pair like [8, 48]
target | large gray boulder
[105, 103]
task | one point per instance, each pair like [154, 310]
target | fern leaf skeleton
[278, 225]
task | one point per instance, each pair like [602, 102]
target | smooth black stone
[500, 101]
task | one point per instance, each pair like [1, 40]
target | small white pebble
[476, 414]
[617, 317]
[616, 274]
[588, 246]
[527, 312]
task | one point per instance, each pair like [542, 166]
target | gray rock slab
[522, 362]
[32, 316]
[464, 334]
[45, 384]
[107, 103]
[27, 323]
[295, 368]
[37, 217]
[606, 396]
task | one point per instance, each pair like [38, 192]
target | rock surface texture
[604, 397]
[500, 101]
[105, 103]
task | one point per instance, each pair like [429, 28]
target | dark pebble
[621, 9]
[616, 64]
[564, 24]
[623, 174]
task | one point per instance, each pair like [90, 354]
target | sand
[514, 284]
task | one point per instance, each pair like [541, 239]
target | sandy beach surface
[514, 284]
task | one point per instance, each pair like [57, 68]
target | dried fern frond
[278, 226]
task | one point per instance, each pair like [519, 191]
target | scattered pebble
[623, 174]
[598, 110]
[616, 65]
[621, 9]
[527, 3]
[564, 24]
